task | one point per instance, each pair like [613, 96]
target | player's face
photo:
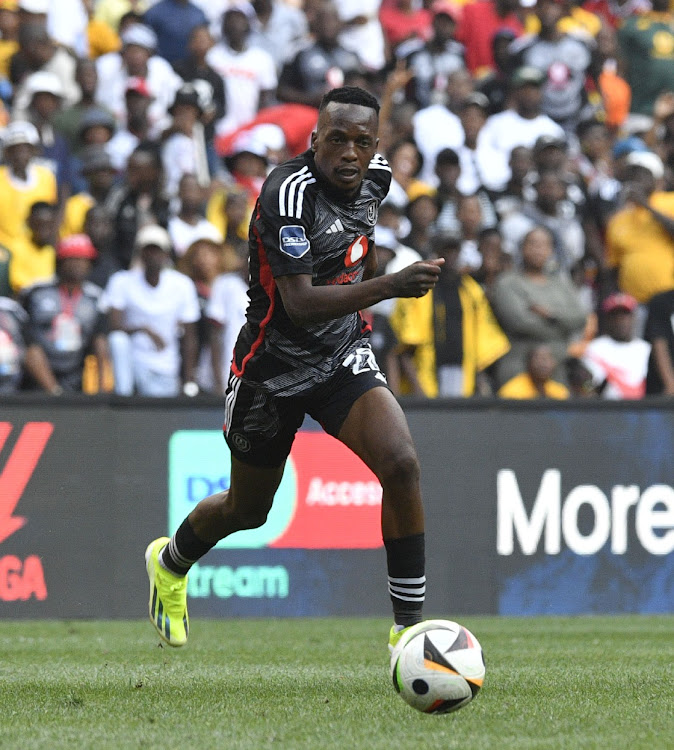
[344, 144]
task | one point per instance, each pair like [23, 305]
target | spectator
[660, 335]
[551, 209]
[33, 257]
[617, 360]
[406, 162]
[248, 73]
[403, 20]
[451, 331]
[138, 200]
[22, 181]
[512, 196]
[209, 85]
[9, 34]
[362, 31]
[173, 21]
[495, 260]
[646, 42]
[563, 59]
[524, 123]
[111, 12]
[13, 338]
[494, 85]
[99, 173]
[101, 38]
[640, 237]
[67, 120]
[148, 307]
[320, 66]
[137, 59]
[138, 99]
[421, 213]
[536, 381]
[64, 322]
[45, 95]
[184, 150]
[535, 306]
[433, 62]
[100, 230]
[204, 262]
[37, 52]
[479, 22]
[280, 28]
[471, 222]
[226, 312]
[189, 223]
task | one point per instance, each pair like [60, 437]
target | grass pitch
[580, 683]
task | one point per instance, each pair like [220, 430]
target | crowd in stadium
[531, 145]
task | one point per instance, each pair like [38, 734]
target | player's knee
[252, 517]
[400, 467]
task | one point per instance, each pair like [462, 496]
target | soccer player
[304, 349]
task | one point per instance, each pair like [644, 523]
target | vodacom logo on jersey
[356, 251]
[20, 579]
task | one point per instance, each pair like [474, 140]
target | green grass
[575, 683]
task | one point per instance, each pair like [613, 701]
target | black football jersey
[301, 226]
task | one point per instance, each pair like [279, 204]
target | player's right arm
[307, 304]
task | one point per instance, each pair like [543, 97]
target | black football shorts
[260, 427]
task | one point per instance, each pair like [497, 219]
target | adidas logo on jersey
[335, 227]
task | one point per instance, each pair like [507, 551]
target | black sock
[406, 578]
[183, 550]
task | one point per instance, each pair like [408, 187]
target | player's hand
[418, 278]
[157, 340]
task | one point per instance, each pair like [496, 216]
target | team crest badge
[372, 213]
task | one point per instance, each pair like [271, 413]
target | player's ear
[314, 135]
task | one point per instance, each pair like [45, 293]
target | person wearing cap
[9, 31]
[184, 147]
[479, 22]
[64, 321]
[564, 61]
[640, 238]
[189, 222]
[433, 62]
[99, 173]
[23, 181]
[248, 73]
[618, 360]
[320, 66]
[137, 59]
[45, 101]
[524, 123]
[660, 334]
[33, 257]
[38, 52]
[173, 21]
[152, 312]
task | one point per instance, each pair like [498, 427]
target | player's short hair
[349, 95]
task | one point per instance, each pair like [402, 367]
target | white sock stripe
[408, 598]
[401, 590]
[407, 581]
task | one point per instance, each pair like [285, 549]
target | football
[437, 666]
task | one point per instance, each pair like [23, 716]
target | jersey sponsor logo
[372, 213]
[346, 277]
[293, 241]
[356, 251]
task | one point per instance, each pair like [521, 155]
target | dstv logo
[553, 519]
